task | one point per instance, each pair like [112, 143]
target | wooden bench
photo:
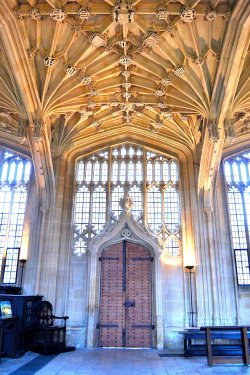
[200, 342]
[228, 333]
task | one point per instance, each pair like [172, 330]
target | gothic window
[150, 179]
[14, 179]
[237, 175]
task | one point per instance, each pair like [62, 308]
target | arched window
[150, 179]
[14, 180]
[237, 175]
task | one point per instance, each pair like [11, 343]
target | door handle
[129, 304]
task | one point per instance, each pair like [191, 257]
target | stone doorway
[125, 318]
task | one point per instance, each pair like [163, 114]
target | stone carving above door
[126, 227]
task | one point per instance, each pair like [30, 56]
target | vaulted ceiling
[163, 70]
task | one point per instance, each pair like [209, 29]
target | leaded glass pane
[174, 171]
[80, 171]
[165, 172]
[80, 246]
[247, 205]
[12, 170]
[243, 172]
[82, 208]
[138, 173]
[238, 183]
[237, 218]
[11, 264]
[157, 171]
[4, 172]
[150, 172]
[99, 192]
[88, 171]
[122, 177]
[130, 177]
[27, 171]
[171, 209]
[136, 194]
[236, 175]
[228, 174]
[172, 246]
[99, 209]
[117, 195]
[14, 176]
[16, 219]
[123, 151]
[242, 267]
[154, 209]
[104, 171]
[96, 169]
[115, 172]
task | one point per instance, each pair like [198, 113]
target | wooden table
[227, 333]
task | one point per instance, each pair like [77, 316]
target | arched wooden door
[126, 297]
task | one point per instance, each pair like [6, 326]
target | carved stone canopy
[125, 228]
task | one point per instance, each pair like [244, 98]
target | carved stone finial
[125, 60]
[126, 85]
[199, 60]
[123, 12]
[93, 92]
[210, 16]
[35, 14]
[167, 114]
[70, 70]
[84, 13]
[44, 208]
[162, 13]
[188, 15]
[159, 92]
[150, 40]
[98, 40]
[49, 61]
[229, 130]
[22, 130]
[127, 95]
[38, 130]
[91, 104]
[126, 232]
[179, 71]
[86, 80]
[126, 74]
[162, 105]
[213, 131]
[247, 122]
[126, 203]
[166, 81]
[58, 14]
[157, 124]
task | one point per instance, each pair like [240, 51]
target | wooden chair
[51, 337]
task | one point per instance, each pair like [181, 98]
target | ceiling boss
[123, 12]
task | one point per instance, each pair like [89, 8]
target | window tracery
[14, 181]
[237, 176]
[150, 179]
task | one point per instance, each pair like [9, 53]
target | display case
[26, 310]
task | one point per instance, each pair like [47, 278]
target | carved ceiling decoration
[108, 64]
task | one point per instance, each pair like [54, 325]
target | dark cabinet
[21, 339]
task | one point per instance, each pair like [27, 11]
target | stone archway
[125, 229]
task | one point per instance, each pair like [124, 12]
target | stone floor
[113, 362]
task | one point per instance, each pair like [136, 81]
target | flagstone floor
[113, 362]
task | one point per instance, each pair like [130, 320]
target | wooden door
[126, 297]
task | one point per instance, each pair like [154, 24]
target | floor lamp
[22, 262]
[189, 270]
